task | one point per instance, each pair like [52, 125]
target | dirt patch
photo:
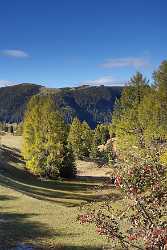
[91, 169]
[14, 142]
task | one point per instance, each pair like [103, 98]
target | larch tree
[45, 139]
[75, 138]
[152, 111]
[125, 119]
[87, 137]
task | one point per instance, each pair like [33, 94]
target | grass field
[43, 214]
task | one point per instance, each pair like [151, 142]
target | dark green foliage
[100, 137]
[86, 139]
[68, 168]
[13, 101]
[6, 129]
[91, 104]
[11, 129]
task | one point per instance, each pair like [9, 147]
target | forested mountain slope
[91, 103]
[13, 100]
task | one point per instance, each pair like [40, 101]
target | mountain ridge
[91, 103]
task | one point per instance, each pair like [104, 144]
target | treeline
[94, 104]
[139, 159]
[140, 115]
[139, 119]
[13, 101]
[139, 219]
[51, 146]
[85, 142]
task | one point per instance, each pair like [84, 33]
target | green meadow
[43, 213]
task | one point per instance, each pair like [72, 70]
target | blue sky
[69, 42]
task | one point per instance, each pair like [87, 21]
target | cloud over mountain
[105, 80]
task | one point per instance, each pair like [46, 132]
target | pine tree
[68, 168]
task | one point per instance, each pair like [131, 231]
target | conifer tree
[125, 119]
[160, 77]
[75, 138]
[152, 111]
[45, 139]
[140, 124]
[86, 136]
[95, 153]
[101, 135]
[68, 163]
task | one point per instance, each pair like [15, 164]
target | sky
[60, 43]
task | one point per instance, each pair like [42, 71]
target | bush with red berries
[139, 219]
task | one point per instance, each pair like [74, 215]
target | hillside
[91, 103]
[13, 100]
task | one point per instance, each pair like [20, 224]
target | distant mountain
[13, 100]
[91, 103]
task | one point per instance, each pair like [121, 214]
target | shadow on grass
[7, 197]
[11, 154]
[67, 192]
[18, 232]
[17, 228]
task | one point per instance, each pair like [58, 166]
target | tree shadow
[17, 231]
[67, 192]
[11, 154]
[17, 228]
[7, 197]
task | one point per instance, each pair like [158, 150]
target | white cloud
[5, 83]
[136, 62]
[106, 80]
[15, 53]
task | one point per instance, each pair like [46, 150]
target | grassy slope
[42, 213]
